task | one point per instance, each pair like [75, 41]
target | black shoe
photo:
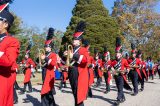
[29, 91]
[106, 92]
[116, 103]
[53, 91]
[65, 86]
[134, 94]
[15, 101]
[22, 92]
[141, 89]
[123, 100]
[90, 95]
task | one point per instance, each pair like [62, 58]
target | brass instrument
[69, 51]
[41, 52]
[118, 71]
[104, 70]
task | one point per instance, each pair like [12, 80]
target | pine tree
[101, 29]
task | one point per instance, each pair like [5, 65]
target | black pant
[15, 94]
[99, 79]
[142, 80]
[16, 86]
[29, 86]
[43, 74]
[158, 72]
[90, 92]
[62, 84]
[48, 99]
[134, 79]
[106, 75]
[73, 78]
[151, 74]
[119, 83]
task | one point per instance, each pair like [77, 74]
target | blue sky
[50, 13]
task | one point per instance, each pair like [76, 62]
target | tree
[137, 20]
[16, 27]
[101, 29]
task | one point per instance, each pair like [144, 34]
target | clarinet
[133, 62]
[117, 68]
[106, 67]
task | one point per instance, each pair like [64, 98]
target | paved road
[149, 97]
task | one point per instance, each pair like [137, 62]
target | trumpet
[70, 51]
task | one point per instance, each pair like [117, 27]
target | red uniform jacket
[64, 71]
[91, 73]
[143, 65]
[81, 58]
[138, 63]
[106, 65]
[29, 63]
[124, 65]
[9, 48]
[50, 75]
[100, 73]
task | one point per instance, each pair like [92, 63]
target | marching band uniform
[97, 68]
[106, 65]
[9, 51]
[28, 64]
[78, 72]
[64, 76]
[43, 66]
[134, 71]
[158, 67]
[120, 65]
[90, 67]
[47, 91]
[142, 70]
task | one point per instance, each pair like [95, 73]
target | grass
[35, 81]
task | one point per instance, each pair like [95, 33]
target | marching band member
[48, 90]
[63, 69]
[78, 72]
[9, 51]
[158, 67]
[28, 65]
[106, 65]
[97, 67]
[118, 67]
[134, 69]
[142, 69]
[90, 67]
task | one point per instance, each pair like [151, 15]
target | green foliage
[101, 29]
[138, 24]
[16, 27]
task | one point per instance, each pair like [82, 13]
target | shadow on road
[31, 99]
[150, 82]
[36, 90]
[111, 101]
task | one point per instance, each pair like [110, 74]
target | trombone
[69, 51]
[41, 52]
